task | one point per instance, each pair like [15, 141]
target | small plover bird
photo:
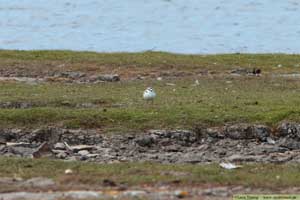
[149, 94]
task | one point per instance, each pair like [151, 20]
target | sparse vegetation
[121, 107]
[131, 174]
[218, 98]
[34, 63]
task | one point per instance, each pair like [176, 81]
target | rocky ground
[239, 143]
[149, 193]
[232, 143]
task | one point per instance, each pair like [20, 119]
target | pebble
[83, 152]
[68, 171]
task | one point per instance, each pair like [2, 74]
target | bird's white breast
[148, 95]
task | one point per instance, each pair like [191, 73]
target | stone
[270, 140]
[92, 155]
[105, 77]
[145, 141]
[8, 180]
[38, 182]
[44, 150]
[83, 195]
[289, 143]
[51, 135]
[18, 144]
[134, 193]
[261, 132]
[240, 71]
[214, 133]
[109, 183]
[289, 129]
[220, 191]
[72, 75]
[83, 152]
[246, 131]
[74, 195]
[244, 158]
[77, 148]
[68, 171]
[59, 146]
[61, 155]
[239, 131]
[181, 194]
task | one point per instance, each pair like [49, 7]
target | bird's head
[150, 89]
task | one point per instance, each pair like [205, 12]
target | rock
[145, 141]
[134, 193]
[61, 155]
[75, 137]
[289, 143]
[191, 158]
[86, 105]
[77, 148]
[214, 133]
[246, 131]
[172, 148]
[181, 194]
[240, 131]
[220, 191]
[59, 146]
[72, 75]
[184, 137]
[44, 150]
[51, 135]
[244, 158]
[92, 155]
[261, 132]
[238, 143]
[74, 195]
[109, 183]
[38, 182]
[270, 141]
[19, 150]
[289, 129]
[18, 144]
[83, 152]
[106, 77]
[83, 195]
[68, 171]
[8, 180]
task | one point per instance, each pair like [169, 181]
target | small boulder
[83, 152]
[60, 146]
[289, 129]
[246, 131]
[145, 141]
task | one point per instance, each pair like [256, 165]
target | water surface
[189, 26]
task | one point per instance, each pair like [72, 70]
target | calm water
[185, 26]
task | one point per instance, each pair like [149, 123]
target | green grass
[132, 174]
[119, 106]
[86, 61]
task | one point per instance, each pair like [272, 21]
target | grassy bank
[119, 106]
[133, 174]
[129, 64]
